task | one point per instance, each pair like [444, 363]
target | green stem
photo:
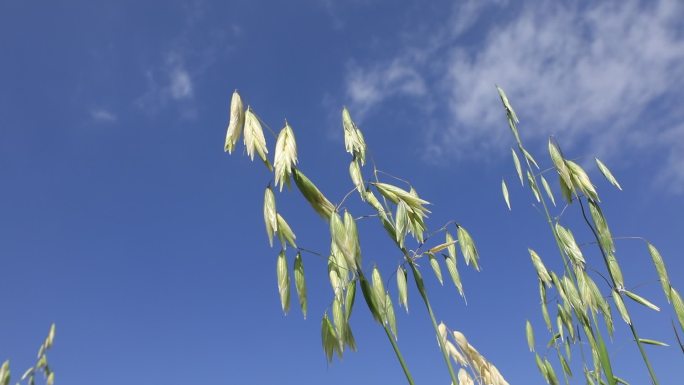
[397, 352]
[651, 372]
[588, 330]
[421, 288]
[395, 347]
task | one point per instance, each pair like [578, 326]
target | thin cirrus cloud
[604, 76]
[102, 115]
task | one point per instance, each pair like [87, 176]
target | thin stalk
[421, 288]
[588, 331]
[651, 372]
[395, 347]
[397, 352]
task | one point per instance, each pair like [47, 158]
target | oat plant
[583, 312]
[41, 365]
[398, 208]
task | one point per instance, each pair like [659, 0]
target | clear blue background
[122, 220]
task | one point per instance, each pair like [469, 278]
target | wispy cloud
[590, 74]
[103, 115]
[171, 83]
[180, 83]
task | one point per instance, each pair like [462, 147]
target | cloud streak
[103, 116]
[590, 74]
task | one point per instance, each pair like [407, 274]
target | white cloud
[368, 87]
[103, 115]
[180, 85]
[171, 82]
[586, 73]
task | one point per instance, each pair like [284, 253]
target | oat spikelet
[254, 136]
[354, 142]
[237, 121]
[285, 156]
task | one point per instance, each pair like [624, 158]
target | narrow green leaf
[641, 300]
[283, 282]
[547, 188]
[368, 296]
[435, 267]
[660, 268]
[50, 380]
[605, 360]
[504, 190]
[313, 195]
[518, 168]
[652, 342]
[402, 287]
[300, 282]
[530, 335]
[606, 172]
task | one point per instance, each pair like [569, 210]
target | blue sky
[122, 220]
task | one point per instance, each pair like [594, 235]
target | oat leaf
[313, 195]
